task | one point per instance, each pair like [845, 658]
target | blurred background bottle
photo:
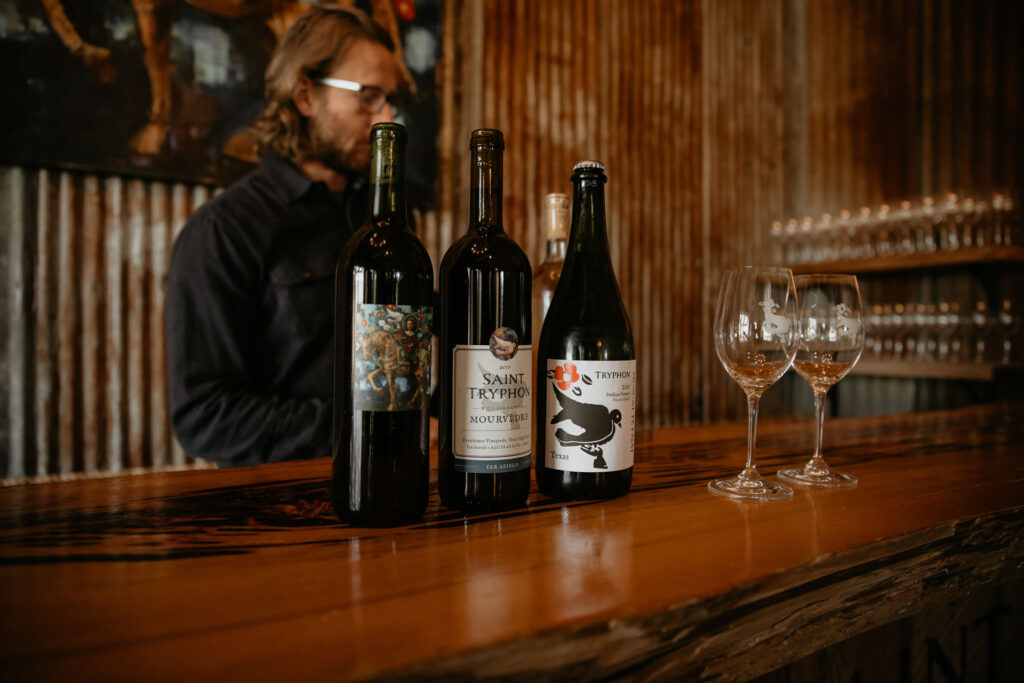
[545, 276]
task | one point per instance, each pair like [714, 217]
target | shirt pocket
[300, 300]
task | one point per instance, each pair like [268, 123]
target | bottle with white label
[586, 363]
[485, 355]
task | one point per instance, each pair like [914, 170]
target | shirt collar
[292, 184]
[289, 181]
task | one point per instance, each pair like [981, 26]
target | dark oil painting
[168, 88]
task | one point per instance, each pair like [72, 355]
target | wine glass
[831, 333]
[755, 338]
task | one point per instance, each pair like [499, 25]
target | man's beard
[326, 151]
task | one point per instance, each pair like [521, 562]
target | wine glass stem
[817, 464]
[752, 402]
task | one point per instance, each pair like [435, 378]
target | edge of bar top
[754, 629]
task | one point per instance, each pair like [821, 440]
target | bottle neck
[589, 230]
[387, 182]
[486, 189]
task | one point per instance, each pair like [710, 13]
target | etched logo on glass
[773, 322]
[847, 325]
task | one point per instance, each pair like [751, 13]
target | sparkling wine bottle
[485, 420]
[586, 365]
[383, 299]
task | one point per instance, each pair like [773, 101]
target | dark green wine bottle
[383, 297]
[485, 426]
[586, 364]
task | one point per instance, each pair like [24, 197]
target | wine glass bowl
[831, 338]
[755, 339]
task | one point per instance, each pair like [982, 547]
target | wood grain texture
[907, 98]
[614, 81]
[222, 574]
[715, 117]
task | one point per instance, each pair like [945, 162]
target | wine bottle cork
[556, 216]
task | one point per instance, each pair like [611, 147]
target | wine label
[391, 357]
[590, 415]
[492, 419]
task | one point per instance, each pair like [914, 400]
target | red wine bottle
[485, 417]
[586, 364]
[383, 319]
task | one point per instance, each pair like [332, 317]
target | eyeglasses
[371, 98]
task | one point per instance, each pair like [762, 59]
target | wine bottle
[383, 318]
[545, 276]
[485, 420]
[586, 366]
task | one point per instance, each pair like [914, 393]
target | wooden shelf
[978, 372]
[937, 259]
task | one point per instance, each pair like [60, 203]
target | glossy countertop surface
[209, 573]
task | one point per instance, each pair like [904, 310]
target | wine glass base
[765, 490]
[833, 480]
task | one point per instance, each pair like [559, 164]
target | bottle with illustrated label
[485, 420]
[383, 319]
[586, 363]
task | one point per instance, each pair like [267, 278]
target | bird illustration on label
[597, 422]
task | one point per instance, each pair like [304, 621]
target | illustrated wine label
[492, 417]
[390, 357]
[590, 415]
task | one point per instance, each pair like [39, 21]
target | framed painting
[169, 88]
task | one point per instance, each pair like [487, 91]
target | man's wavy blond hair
[312, 46]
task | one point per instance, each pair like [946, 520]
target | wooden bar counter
[246, 575]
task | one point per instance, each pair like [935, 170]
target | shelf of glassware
[976, 372]
[934, 259]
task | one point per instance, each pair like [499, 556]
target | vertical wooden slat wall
[744, 177]
[614, 81]
[715, 117]
[909, 98]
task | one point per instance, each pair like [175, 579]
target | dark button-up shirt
[249, 317]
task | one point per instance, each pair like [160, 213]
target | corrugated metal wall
[615, 81]
[85, 257]
[907, 98]
[744, 175]
[713, 118]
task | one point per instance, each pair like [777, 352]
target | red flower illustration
[566, 375]
[405, 9]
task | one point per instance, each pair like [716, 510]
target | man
[250, 291]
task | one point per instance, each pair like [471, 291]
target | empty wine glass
[755, 338]
[831, 332]
[1009, 324]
